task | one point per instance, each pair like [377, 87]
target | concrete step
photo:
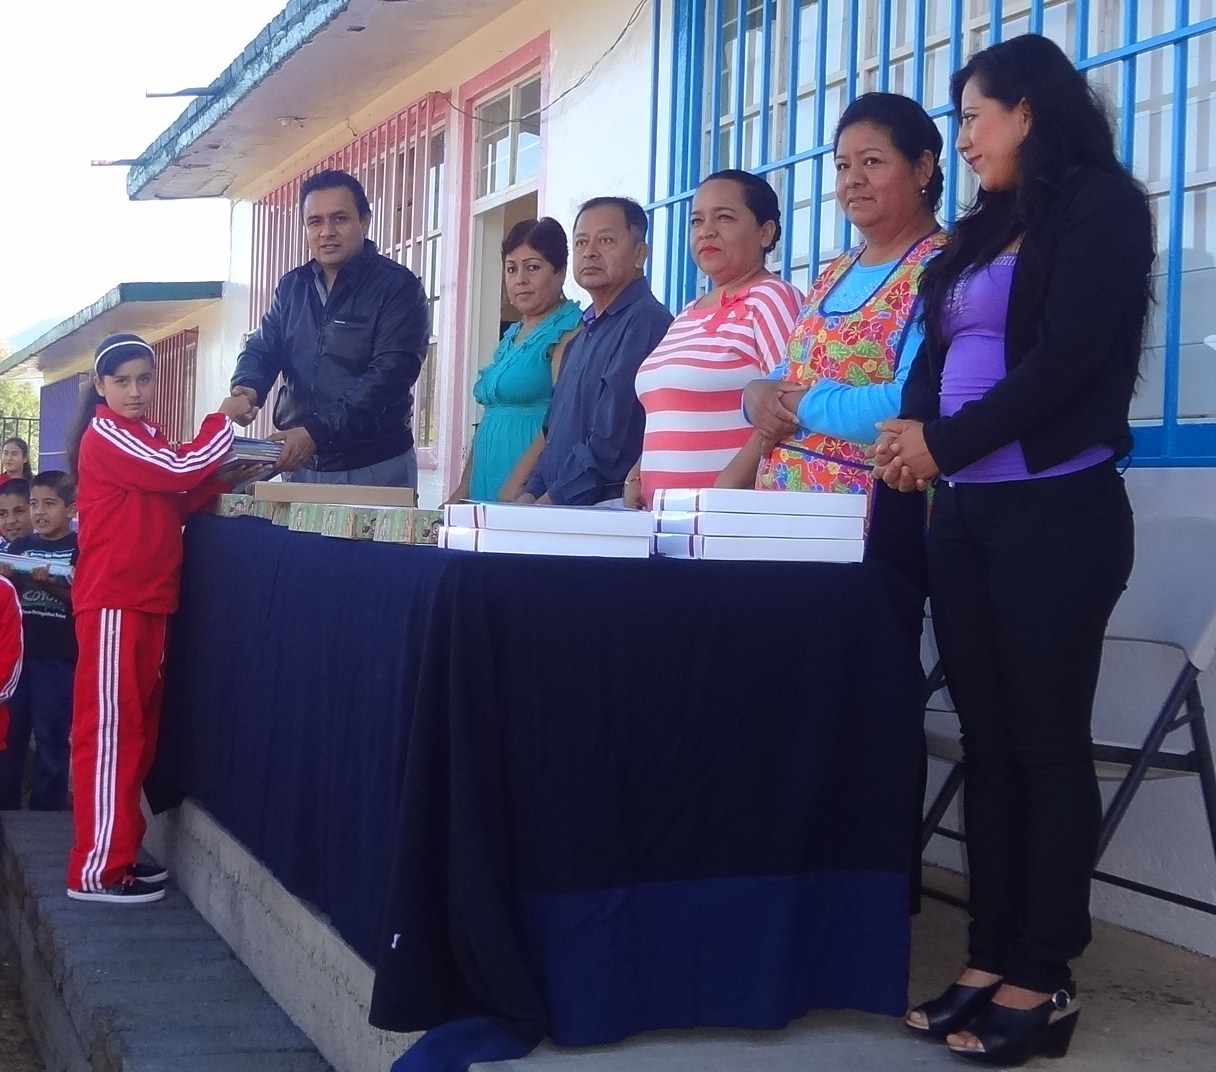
[138, 988]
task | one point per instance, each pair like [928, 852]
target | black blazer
[1072, 336]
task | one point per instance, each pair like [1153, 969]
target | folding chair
[1170, 606]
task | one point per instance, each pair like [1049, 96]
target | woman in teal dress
[514, 388]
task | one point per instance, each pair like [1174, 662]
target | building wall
[222, 330]
[56, 405]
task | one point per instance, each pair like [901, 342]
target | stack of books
[511, 528]
[262, 453]
[767, 526]
[385, 524]
[351, 511]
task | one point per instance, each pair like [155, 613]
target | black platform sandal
[1011, 1037]
[951, 1011]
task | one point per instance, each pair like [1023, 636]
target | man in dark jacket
[348, 332]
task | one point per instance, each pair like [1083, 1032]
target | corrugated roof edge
[288, 31]
[124, 292]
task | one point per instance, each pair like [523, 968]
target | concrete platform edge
[310, 972]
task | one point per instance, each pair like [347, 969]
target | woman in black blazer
[1018, 403]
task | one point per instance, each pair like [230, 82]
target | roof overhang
[317, 63]
[148, 309]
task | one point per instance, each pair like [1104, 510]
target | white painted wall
[221, 331]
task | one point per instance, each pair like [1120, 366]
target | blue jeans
[41, 704]
[398, 472]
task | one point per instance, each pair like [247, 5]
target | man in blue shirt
[593, 430]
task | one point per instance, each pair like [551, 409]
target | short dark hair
[59, 482]
[635, 215]
[759, 197]
[910, 129]
[545, 235]
[18, 487]
[331, 179]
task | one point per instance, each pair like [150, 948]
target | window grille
[761, 84]
[173, 407]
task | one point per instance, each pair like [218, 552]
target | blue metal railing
[708, 119]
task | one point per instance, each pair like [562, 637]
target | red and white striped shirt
[691, 385]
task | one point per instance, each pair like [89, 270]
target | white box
[758, 548]
[786, 526]
[749, 501]
[576, 544]
[521, 517]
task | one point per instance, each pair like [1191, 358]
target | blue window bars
[759, 84]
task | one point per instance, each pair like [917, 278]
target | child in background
[15, 460]
[42, 703]
[11, 648]
[133, 491]
[15, 520]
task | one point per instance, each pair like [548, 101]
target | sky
[72, 85]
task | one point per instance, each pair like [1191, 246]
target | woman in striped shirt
[691, 385]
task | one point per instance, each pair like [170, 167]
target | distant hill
[31, 333]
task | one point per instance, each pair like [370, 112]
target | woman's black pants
[1023, 577]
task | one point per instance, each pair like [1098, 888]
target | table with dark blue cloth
[574, 797]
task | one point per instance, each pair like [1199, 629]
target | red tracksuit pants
[115, 716]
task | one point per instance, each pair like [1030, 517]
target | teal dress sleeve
[514, 388]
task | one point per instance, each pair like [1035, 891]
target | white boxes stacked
[765, 526]
[511, 528]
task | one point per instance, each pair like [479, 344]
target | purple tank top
[975, 361]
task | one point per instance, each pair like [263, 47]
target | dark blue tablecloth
[574, 797]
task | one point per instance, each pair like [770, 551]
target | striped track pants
[115, 715]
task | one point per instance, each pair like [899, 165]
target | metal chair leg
[941, 802]
[1203, 758]
[1152, 744]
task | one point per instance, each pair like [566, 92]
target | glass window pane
[527, 136]
[435, 183]
[494, 144]
[1197, 326]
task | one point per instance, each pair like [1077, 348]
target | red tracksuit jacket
[12, 647]
[133, 493]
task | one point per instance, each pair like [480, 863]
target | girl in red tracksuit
[133, 493]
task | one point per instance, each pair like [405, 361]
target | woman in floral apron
[854, 341]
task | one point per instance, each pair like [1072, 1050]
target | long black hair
[24, 447]
[112, 351]
[1069, 128]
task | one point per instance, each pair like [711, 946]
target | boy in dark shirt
[42, 702]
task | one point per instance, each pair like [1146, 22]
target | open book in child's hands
[28, 563]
